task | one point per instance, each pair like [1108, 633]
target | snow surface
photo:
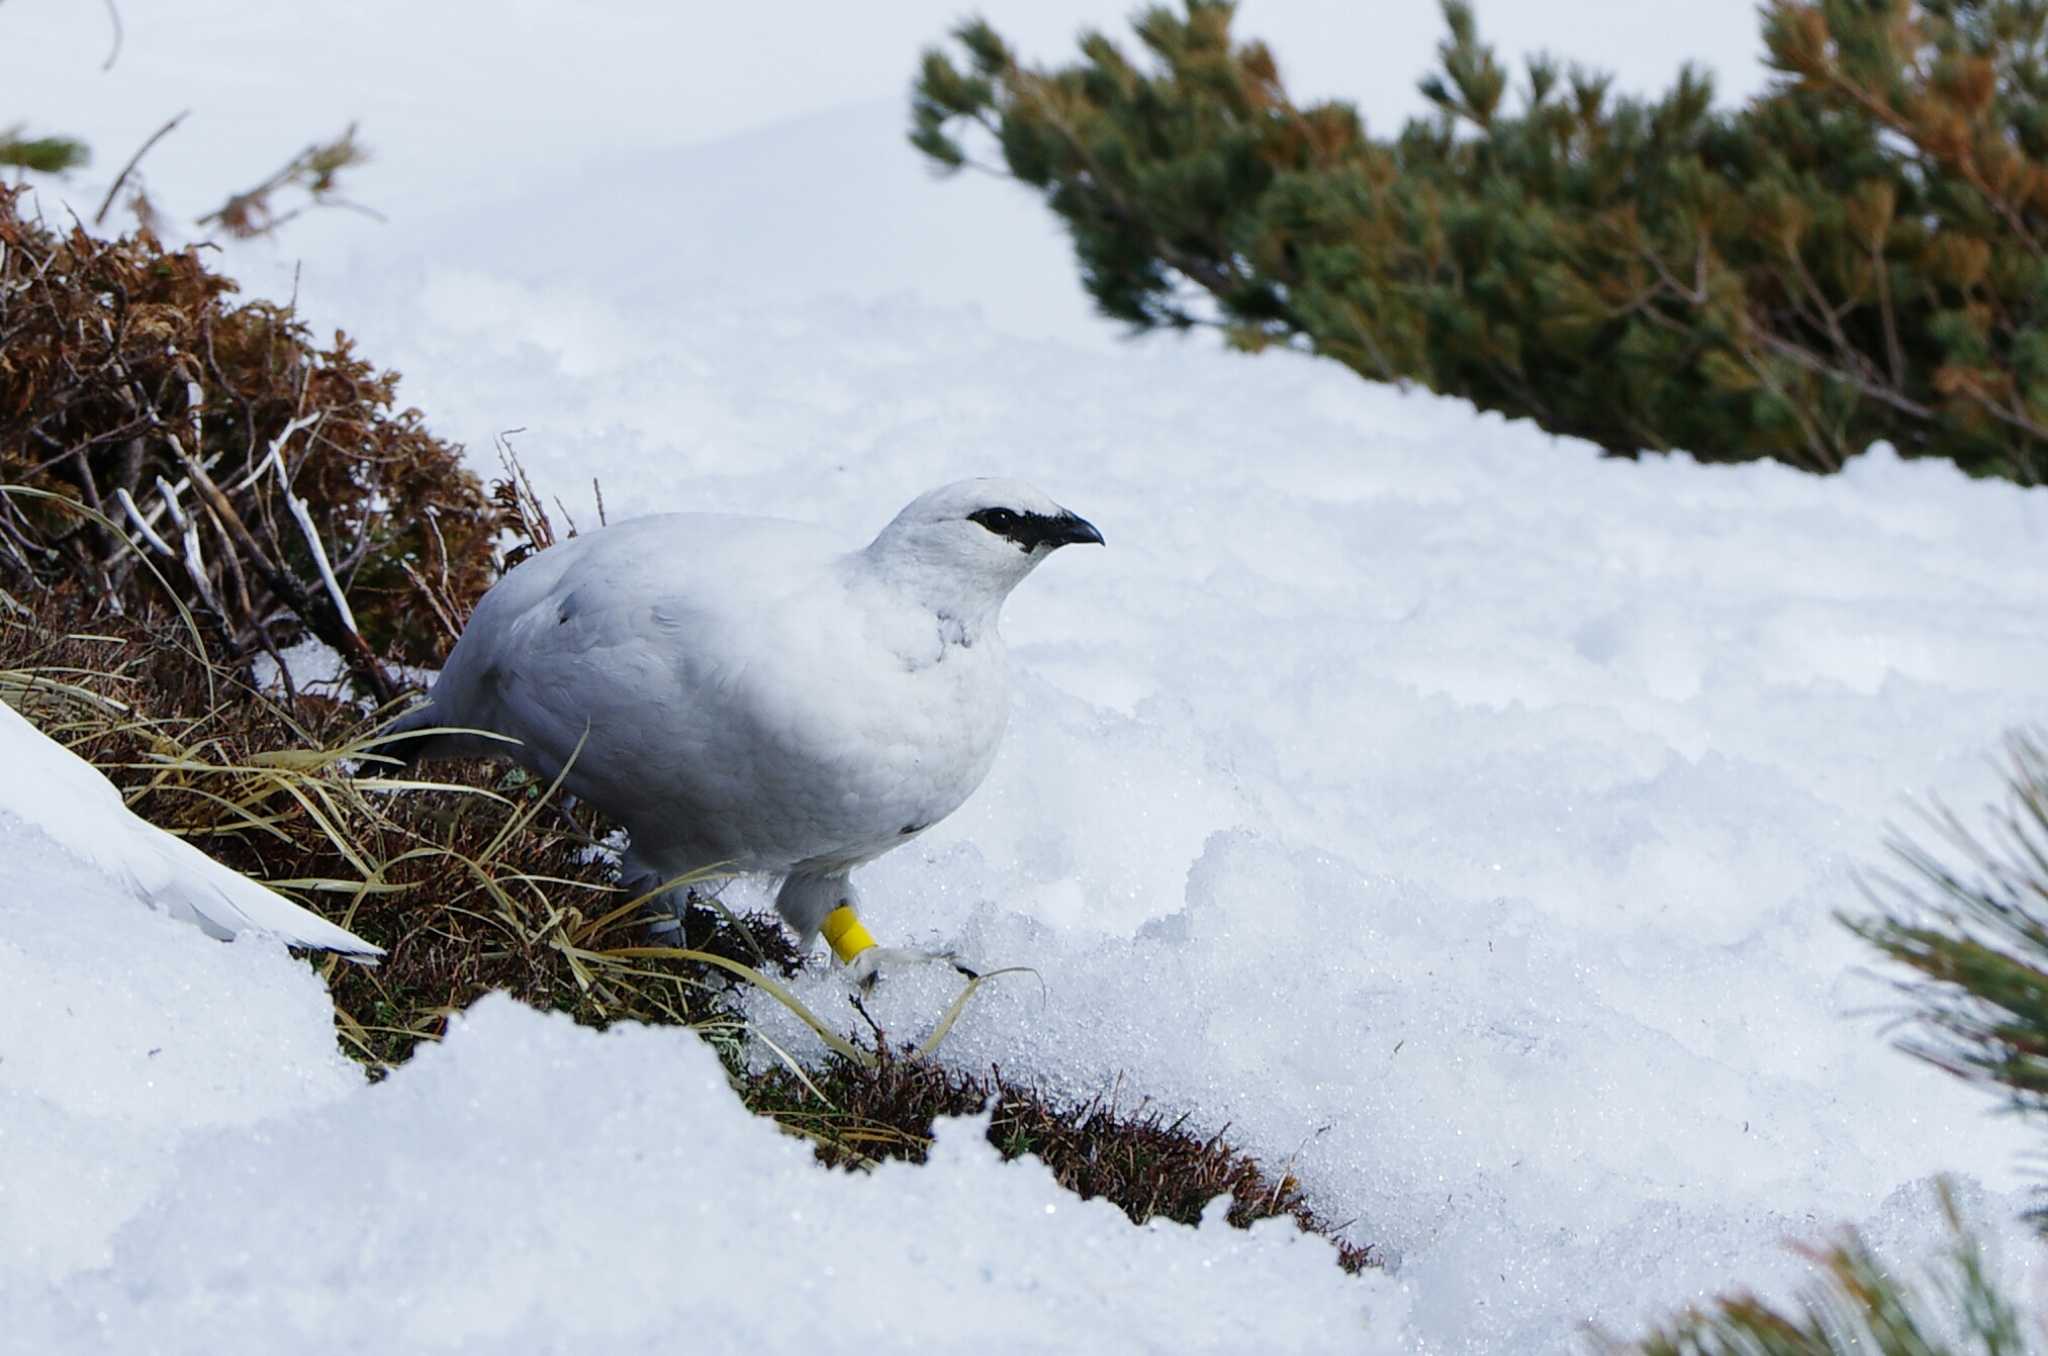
[1458, 816]
[457, 1208]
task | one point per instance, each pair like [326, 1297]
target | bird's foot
[866, 968]
[855, 948]
[667, 920]
[680, 916]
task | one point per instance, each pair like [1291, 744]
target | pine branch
[1857, 1307]
[1971, 923]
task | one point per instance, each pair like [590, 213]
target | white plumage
[750, 693]
[47, 789]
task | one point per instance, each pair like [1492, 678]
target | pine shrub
[1860, 253]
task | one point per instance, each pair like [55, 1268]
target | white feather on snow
[50, 792]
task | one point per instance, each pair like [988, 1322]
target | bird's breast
[886, 749]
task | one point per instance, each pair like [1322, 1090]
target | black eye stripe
[1028, 530]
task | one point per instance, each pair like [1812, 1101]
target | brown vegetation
[149, 427]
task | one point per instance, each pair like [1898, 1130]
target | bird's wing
[55, 793]
[674, 667]
[617, 628]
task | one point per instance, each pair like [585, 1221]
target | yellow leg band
[846, 934]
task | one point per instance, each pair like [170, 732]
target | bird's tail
[405, 741]
[423, 734]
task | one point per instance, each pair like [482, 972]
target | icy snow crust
[459, 1208]
[1456, 815]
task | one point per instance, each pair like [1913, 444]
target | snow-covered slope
[123, 1033]
[1458, 815]
[534, 1187]
[1455, 813]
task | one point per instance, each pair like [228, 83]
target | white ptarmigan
[49, 790]
[749, 694]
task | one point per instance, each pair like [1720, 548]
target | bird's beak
[1071, 529]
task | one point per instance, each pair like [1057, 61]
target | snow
[454, 1208]
[1458, 816]
[124, 1034]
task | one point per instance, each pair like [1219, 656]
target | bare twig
[437, 600]
[275, 454]
[333, 625]
[133, 161]
[250, 213]
[565, 515]
[1894, 351]
[1803, 357]
[304, 517]
[114, 52]
[195, 563]
[157, 544]
[520, 504]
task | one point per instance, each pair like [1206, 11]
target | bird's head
[980, 537]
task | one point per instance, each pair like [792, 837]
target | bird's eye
[1012, 526]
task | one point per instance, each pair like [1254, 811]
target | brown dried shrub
[139, 396]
